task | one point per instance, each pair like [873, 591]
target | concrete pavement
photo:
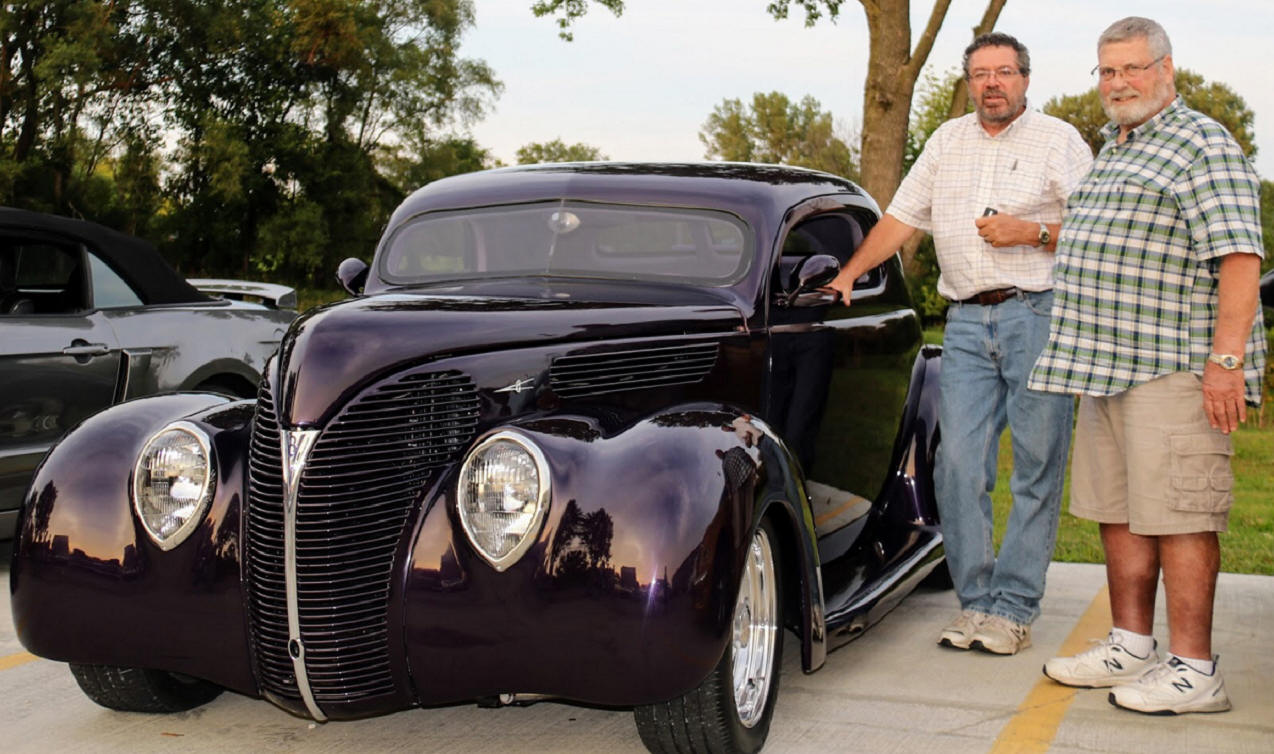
[893, 690]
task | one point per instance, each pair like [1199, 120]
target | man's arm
[1237, 302]
[881, 243]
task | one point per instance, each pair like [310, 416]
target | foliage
[570, 11]
[558, 151]
[1214, 99]
[293, 127]
[776, 130]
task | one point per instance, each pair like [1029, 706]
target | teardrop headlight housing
[503, 495]
[173, 483]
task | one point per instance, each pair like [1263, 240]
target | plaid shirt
[1138, 257]
[1027, 170]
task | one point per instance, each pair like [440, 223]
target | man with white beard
[1155, 324]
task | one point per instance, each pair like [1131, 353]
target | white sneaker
[960, 633]
[1001, 636]
[1108, 663]
[1171, 688]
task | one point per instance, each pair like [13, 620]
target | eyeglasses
[1130, 71]
[982, 75]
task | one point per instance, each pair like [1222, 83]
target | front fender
[627, 595]
[88, 586]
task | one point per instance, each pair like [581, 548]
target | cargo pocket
[1201, 477]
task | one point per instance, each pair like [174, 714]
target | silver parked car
[90, 317]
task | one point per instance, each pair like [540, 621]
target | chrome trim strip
[296, 447]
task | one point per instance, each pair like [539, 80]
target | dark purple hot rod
[586, 432]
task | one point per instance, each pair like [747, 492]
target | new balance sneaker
[1108, 663]
[1001, 636]
[1171, 688]
[960, 632]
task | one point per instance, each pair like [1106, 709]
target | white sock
[1140, 645]
[1206, 667]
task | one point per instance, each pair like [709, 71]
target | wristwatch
[1226, 360]
[1045, 236]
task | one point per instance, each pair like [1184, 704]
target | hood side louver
[596, 373]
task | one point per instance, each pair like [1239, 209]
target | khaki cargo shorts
[1147, 457]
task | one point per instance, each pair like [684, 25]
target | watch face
[1045, 236]
[1227, 361]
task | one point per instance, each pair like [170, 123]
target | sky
[640, 87]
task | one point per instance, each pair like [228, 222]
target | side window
[109, 289]
[837, 234]
[38, 277]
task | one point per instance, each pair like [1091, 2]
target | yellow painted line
[13, 661]
[1034, 726]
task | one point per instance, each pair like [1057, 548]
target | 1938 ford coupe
[591, 432]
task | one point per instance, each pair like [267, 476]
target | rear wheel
[731, 710]
[138, 690]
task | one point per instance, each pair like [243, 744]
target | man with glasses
[990, 187]
[1156, 326]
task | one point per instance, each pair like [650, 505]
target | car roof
[135, 260]
[748, 189]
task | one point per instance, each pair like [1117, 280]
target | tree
[775, 129]
[1216, 100]
[558, 151]
[74, 75]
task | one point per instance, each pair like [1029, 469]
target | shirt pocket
[1200, 476]
[1021, 186]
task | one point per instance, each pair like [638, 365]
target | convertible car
[590, 432]
[90, 317]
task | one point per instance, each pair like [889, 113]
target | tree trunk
[892, 69]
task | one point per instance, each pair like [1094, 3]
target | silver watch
[1226, 360]
[1045, 236]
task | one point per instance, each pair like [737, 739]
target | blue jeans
[988, 352]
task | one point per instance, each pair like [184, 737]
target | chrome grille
[584, 374]
[356, 494]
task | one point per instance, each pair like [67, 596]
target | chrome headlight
[173, 483]
[503, 494]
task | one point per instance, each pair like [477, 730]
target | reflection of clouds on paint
[640, 87]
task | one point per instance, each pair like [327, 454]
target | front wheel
[140, 690]
[731, 710]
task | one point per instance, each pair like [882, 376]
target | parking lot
[893, 690]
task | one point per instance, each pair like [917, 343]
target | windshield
[570, 239]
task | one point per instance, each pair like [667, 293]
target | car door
[59, 359]
[839, 374]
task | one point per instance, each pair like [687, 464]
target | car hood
[331, 353]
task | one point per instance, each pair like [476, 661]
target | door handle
[79, 348]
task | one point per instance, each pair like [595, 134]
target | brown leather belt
[991, 298]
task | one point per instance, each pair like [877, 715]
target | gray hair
[999, 39]
[1136, 27]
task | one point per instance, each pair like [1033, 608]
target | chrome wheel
[755, 632]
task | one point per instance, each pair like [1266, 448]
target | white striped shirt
[1027, 170]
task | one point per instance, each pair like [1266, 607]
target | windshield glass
[570, 239]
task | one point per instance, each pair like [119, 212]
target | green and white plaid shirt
[1135, 294]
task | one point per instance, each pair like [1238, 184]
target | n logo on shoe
[1183, 685]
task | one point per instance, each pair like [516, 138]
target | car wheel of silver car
[731, 710]
[140, 690]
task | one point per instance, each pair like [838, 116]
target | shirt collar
[1026, 113]
[1111, 130]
